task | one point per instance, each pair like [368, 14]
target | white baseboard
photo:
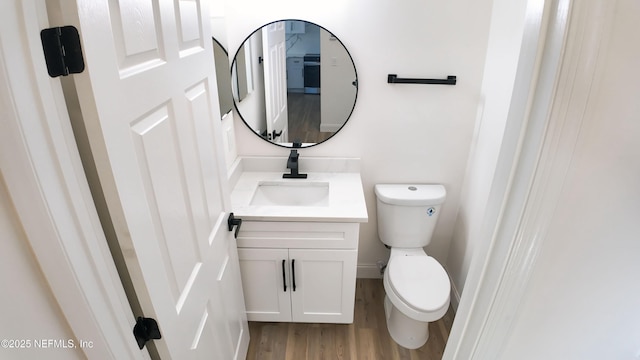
[368, 271]
[329, 127]
[455, 296]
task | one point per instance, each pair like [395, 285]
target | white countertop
[346, 198]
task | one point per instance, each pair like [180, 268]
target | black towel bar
[394, 79]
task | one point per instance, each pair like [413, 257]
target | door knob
[234, 221]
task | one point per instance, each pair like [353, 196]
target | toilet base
[405, 331]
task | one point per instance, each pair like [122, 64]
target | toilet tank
[408, 213]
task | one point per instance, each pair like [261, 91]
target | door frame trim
[476, 323]
[545, 118]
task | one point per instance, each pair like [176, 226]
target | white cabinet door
[325, 283]
[148, 101]
[266, 284]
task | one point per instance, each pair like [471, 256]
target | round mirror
[294, 83]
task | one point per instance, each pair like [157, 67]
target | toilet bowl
[417, 287]
[417, 292]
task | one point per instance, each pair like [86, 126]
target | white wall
[300, 44]
[582, 300]
[505, 38]
[28, 309]
[336, 77]
[402, 133]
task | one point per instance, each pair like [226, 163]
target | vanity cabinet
[298, 271]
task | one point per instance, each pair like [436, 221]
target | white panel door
[149, 102]
[275, 79]
[325, 283]
[266, 283]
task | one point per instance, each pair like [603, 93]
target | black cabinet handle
[293, 274]
[284, 278]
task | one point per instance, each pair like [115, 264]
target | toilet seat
[420, 283]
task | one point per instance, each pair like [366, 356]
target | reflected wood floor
[304, 118]
[366, 339]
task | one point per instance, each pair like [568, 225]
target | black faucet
[292, 163]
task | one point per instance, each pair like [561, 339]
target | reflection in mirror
[294, 81]
[223, 77]
[242, 73]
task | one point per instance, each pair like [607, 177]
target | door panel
[264, 278]
[134, 53]
[156, 149]
[149, 103]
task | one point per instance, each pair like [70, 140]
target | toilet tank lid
[411, 194]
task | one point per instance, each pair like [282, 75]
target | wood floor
[304, 118]
[366, 339]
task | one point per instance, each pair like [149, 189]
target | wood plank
[345, 342]
[297, 341]
[321, 341]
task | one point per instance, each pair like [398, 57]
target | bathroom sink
[281, 193]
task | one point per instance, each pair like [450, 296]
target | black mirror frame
[355, 83]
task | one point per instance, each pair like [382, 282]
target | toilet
[417, 287]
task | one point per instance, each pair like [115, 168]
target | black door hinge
[62, 51]
[146, 329]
